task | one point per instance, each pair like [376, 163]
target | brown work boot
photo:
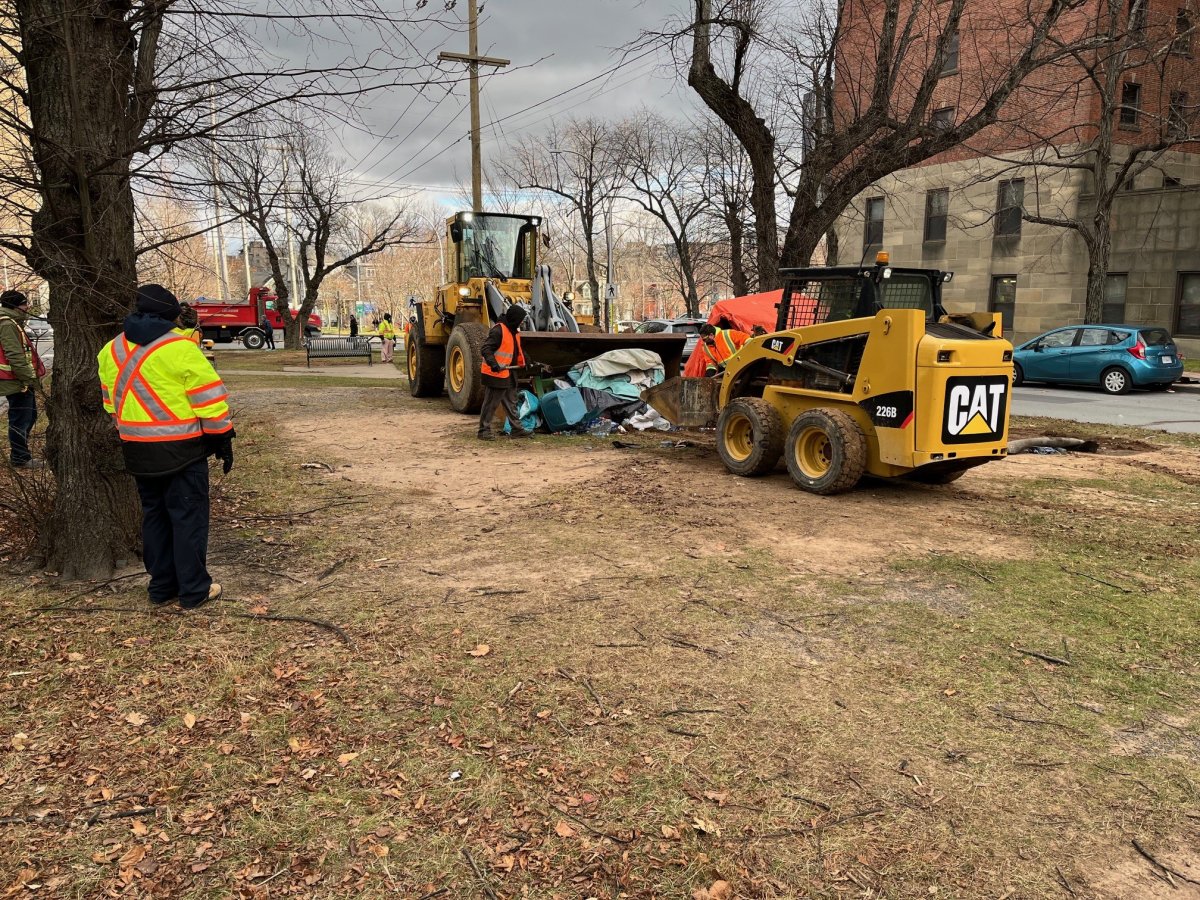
[214, 593]
[486, 436]
[521, 432]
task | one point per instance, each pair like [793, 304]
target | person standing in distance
[353, 326]
[18, 378]
[268, 332]
[501, 354]
[387, 332]
[171, 413]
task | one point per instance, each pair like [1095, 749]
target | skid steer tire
[750, 437]
[464, 359]
[826, 451]
[424, 365]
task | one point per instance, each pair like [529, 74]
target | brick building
[969, 210]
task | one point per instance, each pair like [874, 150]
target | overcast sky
[554, 45]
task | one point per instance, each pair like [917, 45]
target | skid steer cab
[491, 261]
[865, 374]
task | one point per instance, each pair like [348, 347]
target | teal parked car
[1115, 357]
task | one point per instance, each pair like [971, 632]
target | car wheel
[1115, 380]
[254, 339]
[1018, 375]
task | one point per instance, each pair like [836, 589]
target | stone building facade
[950, 216]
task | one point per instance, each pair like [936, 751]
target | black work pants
[493, 399]
[270, 336]
[22, 414]
[175, 533]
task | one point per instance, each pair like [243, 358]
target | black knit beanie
[13, 299]
[157, 301]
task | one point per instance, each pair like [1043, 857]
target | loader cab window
[491, 246]
[906, 292]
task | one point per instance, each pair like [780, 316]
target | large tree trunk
[83, 245]
[755, 137]
[737, 259]
[1099, 245]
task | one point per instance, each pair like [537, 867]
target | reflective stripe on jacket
[163, 391]
[725, 343]
[509, 354]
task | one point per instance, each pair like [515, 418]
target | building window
[1187, 308]
[942, 119]
[1010, 201]
[1183, 33]
[1131, 103]
[950, 63]
[1170, 183]
[937, 208]
[1003, 299]
[1137, 17]
[1177, 118]
[873, 231]
[1114, 299]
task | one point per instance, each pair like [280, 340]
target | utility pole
[474, 61]
[246, 261]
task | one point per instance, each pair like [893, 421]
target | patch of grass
[665, 700]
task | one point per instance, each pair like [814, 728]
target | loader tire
[750, 437]
[424, 365]
[826, 451]
[464, 359]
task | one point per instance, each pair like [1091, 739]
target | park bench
[337, 347]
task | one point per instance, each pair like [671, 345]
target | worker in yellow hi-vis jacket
[171, 411]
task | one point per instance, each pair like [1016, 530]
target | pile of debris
[599, 396]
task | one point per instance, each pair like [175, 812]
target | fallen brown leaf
[563, 830]
[481, 650]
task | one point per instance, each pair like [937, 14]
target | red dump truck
[225, 322]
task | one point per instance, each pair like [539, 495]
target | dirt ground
[561, 669]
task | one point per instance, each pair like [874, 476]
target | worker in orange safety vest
[171, 413]
[501, 354]
[717, 344]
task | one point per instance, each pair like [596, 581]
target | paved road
[1176, 410]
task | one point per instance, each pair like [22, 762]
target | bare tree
[104, 91]
[172, 249]
[576, 163]
[1133, 107]
[662, 171]
[731, 214]
[284, 171]
[766, 69]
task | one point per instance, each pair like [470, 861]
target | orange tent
[746, 312]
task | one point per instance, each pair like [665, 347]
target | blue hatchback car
[1115, 357]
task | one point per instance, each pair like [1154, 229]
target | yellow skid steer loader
[865, 373]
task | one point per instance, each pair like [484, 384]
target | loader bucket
[686, 402]
[563, 349]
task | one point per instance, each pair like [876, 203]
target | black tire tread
[473, 334]
[769, 435]
[430, 359]
[844, 431]
[1018, 375]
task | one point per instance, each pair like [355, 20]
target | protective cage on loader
[865, 373]
[492, 263]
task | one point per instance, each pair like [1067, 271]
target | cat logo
[976, 409]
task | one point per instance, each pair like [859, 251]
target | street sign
[610, 292]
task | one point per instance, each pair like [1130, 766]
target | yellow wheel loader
[491, 264]
[865, 374]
